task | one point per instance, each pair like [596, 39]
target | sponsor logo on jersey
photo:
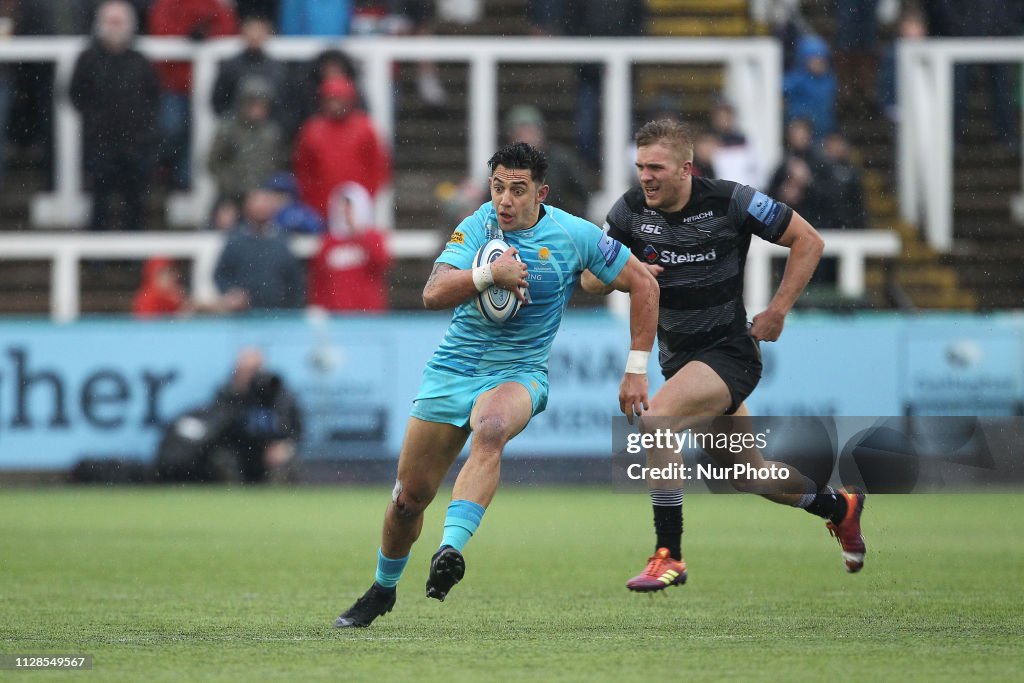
[763, 208]
[673, 258]
[650, 254]
[699, 217]
[648, 229]
[457, 238]
[609, 248]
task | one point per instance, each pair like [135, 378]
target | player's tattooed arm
[447, 287]
[438, 269]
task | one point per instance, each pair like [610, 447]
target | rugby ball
[496, 304]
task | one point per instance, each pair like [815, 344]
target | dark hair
[338, 57]
[673, 134]
[520, 155]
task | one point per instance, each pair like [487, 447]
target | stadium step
[700, 18]
[701, 27]
[733, 7]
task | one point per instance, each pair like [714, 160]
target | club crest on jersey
[648, 229]
[544, 254]
[650, 254]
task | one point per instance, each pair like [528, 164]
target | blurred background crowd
[295, 152]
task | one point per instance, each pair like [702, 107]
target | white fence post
[926, 126]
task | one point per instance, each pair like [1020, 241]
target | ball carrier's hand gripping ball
[495, 303]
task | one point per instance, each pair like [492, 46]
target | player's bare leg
[688, 400]
[428, 451]
[498, 415]
[786, 488]
[842, 509]
[427, 454]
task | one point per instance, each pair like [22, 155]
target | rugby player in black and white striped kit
[693, 234]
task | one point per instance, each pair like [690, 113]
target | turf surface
[214, 584]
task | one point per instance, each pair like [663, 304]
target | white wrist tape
[483, 278]
[636, 363]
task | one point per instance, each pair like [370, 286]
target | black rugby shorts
[736, 359]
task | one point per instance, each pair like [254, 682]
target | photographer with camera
[266, 424]
[247, 434]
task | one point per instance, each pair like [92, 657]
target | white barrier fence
[753, 84]
[925, 140]
[851, 248]
[65, 252]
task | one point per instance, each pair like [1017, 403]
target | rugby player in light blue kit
[489, 378]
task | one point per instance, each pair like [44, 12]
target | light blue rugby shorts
[447, 397]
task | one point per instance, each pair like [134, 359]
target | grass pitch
[214, 584]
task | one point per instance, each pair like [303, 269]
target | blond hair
[675, 135]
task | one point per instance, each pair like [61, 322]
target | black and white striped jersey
[703, 249]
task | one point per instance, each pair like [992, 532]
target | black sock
[828, 505]
[668, 526]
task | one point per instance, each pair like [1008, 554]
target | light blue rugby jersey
[556, 250]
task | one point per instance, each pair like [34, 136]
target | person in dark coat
[305, 79]
[260, 443]
[253, 61]
[256, 270]
[116, 90]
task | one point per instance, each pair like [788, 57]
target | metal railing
[753, 82]
[925, 139]
[66, 251]
[850, 248]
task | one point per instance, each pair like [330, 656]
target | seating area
[432, 146]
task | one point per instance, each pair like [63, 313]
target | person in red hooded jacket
[196, 20]
[350, 271]
[161, 292]
[338, 145]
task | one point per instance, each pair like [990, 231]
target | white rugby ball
[495, 303]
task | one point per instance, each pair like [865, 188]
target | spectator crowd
[294, 151]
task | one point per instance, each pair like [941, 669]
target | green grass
[213, 584]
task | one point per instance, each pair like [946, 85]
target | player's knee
[408, 503]
[657, 408]
[491, 431]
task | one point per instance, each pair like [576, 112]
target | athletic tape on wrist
[483, 278]
[636, 362]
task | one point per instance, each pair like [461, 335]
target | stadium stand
[430, 148]
[922, 277]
